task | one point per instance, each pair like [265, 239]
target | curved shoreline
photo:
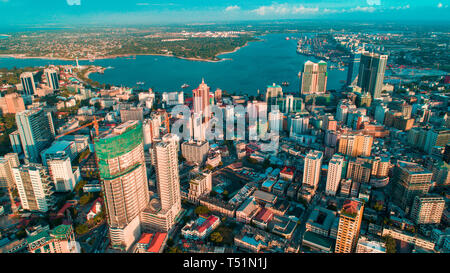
[24, 56]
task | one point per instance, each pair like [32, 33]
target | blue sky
[50, 12]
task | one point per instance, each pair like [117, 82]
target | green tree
[81, 229]
[200, 210]
[216, 237]
[390, 244]
[85, 199]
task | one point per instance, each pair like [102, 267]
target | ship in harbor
[285, 83]
[185, 85]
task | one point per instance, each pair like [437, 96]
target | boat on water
[287, 38]
[185, 85]
[140, 83]
[285, 83]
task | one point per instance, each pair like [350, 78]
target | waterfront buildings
[201, 100]
[371, 73]
[52, 77]
[314, 78]
[353, 68]
[28, 84]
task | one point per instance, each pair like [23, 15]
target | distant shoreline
[24, 56]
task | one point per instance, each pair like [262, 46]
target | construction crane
[94, 123]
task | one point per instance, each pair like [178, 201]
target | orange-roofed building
[263, 218]
[200, 228]
[287, 173]
[158, 242]
[151, 243]
[349, 225]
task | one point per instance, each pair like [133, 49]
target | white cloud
[373, 2]
[232, 8]
[282, 9]
[401, 7]
[74, 2]
[362, 9]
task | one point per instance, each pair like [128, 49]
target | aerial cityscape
[228, 132]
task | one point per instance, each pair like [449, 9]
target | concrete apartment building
[121, 161]
[349, 226]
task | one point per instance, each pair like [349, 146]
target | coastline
[217, 59]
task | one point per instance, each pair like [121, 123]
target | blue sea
[271, 60]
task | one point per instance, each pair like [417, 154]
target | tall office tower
[147, 134]
[380, 113]
[355, 145]
[35, 132]
[436, 137]
[218, 94]
[60, 170]
[427, 209]
[8, 162]
[276, 121]
[52, 78]
[353, 68]
[289, 104]
[121, 161]
[16, 144]
[201, 100]
[349, 226]
[311, 171]
[198, 128]
[334, 175]
[343, 108]
[51, 125]
[371, 73]
[298, 124]
[34, 187]
[272, 93]
[7, 181]
[27, 80]
[359, 170]
[314, 78]
[168, 180]
[409, 180]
